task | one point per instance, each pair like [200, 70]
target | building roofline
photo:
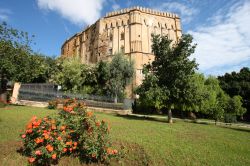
[144, 10]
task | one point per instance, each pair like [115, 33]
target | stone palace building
[129, 31]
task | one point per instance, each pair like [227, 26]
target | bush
[76, 132]
[230, 118]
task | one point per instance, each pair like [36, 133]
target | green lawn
[147, 142]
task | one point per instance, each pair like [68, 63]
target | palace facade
[128, 31]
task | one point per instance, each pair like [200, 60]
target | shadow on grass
[227, 126]
[134, 117]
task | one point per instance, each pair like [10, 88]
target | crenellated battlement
[144, 10]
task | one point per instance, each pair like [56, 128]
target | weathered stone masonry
[129, 31]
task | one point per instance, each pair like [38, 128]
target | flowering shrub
[76, 132]
[42, 140]
[52, 104]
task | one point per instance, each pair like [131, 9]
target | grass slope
[147, 142]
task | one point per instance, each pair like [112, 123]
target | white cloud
[77, 11]
[115, 6]
[187, 13]
[225, 44]
[4, 14]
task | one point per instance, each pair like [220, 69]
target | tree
[17, 60]
[195, 94]
[238, 84]
[74, 76]
[121, 73]
[151, 95]
[235, 106]
[215, 101]
[173, 69]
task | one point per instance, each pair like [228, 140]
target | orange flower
[69, 143]
[46, 136]
[53, 156]
[64, 150]
[59, 138]
[29, 126]
[70, 149]
[23, 136]
[37, 123]
[75, 143]
[63, 127]
[29, 131]
[39, 140]
[89, 113]
[109, 151]
[49, 148]
[31, 159]
[53, 127]
[115, 151]
[98, 123]
[38, 153]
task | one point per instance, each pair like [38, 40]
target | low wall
[94, 109]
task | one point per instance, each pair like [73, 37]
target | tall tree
[121, 73]
[173, 68]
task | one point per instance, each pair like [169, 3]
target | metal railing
[47, 92]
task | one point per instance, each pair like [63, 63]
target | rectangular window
[122, 36]
[111, 37]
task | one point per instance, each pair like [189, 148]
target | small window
[110, 51]
[172, 26]
[139, 35]
[122, 36]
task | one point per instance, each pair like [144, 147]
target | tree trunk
[170, 120]
[192, 115]
[115, 99]
[3, 89]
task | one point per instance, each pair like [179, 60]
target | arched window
[166, 26]
[122, 23]
[106, 26]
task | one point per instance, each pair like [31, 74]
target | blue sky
[221, 28]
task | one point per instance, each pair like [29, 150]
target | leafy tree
[173, 69]
[235, 106]
[215, 101]
[17, 60]
[102, 76]
[71, 74]
[151, 95]
[121, 73]
[238, 84]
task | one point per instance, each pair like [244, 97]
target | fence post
[15, 93]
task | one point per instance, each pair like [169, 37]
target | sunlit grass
[147, 141]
